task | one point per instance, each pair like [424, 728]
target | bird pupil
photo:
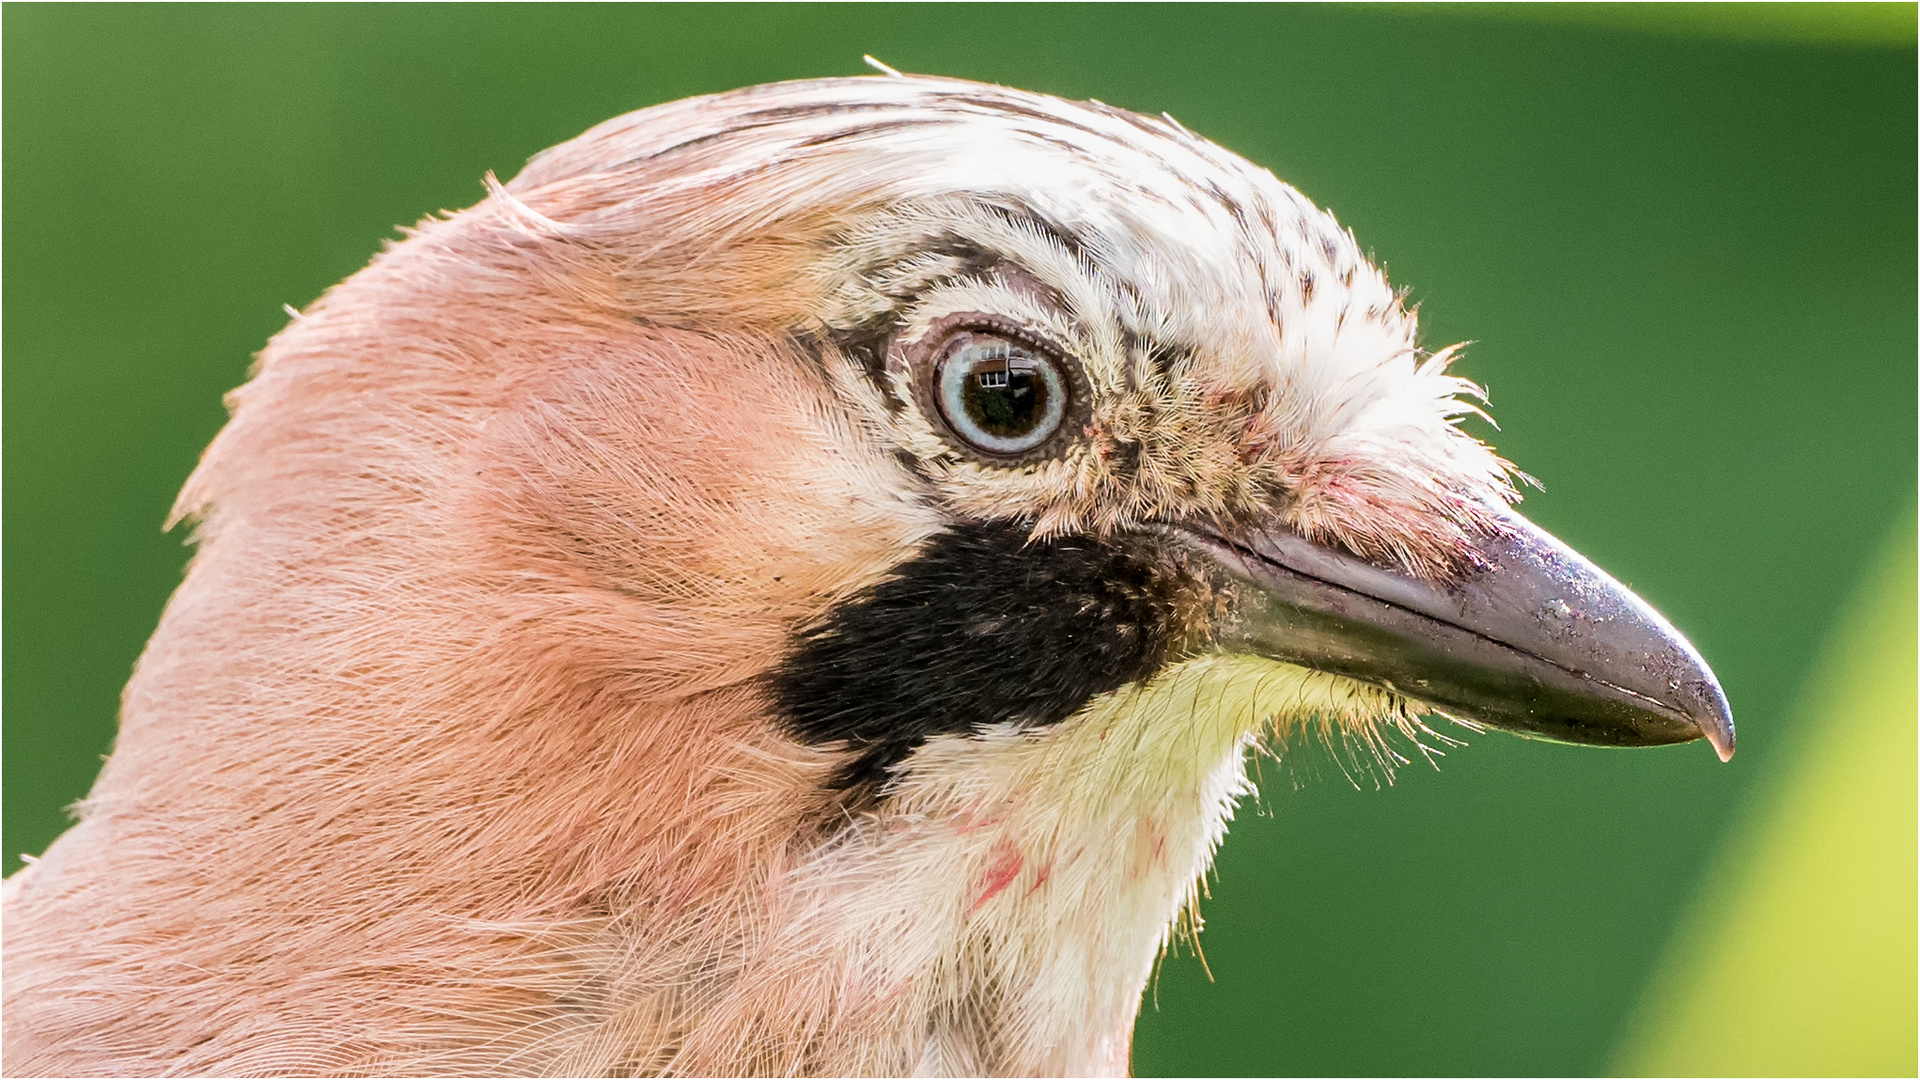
[1006, 404]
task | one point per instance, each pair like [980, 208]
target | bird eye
[1000, 396]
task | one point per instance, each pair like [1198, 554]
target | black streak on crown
[981, 627]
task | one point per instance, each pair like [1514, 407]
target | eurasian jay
[790, 584]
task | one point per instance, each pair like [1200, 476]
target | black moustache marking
[982, 628]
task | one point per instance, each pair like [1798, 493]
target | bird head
[1071, 336]
[801, 570]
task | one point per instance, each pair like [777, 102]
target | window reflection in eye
[998, 395]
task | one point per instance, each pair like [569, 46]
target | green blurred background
[1682, 240]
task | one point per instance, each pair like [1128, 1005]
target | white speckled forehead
[1184, 226]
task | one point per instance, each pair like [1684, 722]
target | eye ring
[1002, 396]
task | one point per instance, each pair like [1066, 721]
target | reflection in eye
[999, 395]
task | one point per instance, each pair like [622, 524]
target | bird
[792, 583]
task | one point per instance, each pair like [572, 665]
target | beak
[1533, 639]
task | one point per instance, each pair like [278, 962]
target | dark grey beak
[1534, 639]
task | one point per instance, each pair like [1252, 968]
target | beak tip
[1717, 727]
[1722, 743]
[1707, 708]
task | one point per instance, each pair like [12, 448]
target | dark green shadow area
[1688, 266]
